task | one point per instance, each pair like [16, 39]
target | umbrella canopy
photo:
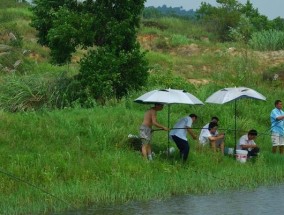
[229, 94]
[168, 96]
[233, 94]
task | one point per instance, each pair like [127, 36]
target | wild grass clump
[179, 40]
[166, 79]
[270, 40]
[33, 92]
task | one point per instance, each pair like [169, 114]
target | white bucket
[230, 151]
[241, 155]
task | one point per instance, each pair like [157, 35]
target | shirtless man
[150, 119]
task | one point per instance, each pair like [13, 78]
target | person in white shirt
[211, 137]
[205, 127]
[179, 132]
[247, 143]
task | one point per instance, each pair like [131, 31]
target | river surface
[262, 200]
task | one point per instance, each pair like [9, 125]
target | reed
[270, 40]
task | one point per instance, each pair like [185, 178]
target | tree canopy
[221, 19]
[109, 27]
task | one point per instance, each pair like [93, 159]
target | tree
[259, 22]
[228, 15]
[220, 19]
[277, 24]
[109, 27]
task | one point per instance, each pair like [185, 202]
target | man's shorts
[145, 134]
[219, 142]
[277, 140]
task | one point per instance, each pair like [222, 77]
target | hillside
[174, 44]
[201, 57]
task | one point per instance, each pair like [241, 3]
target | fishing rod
[160, 129]
[9, 175]
[225, 129]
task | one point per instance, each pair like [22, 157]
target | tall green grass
[82, 156]
[271, 40]
[33, 92]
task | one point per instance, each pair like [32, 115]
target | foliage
[243, 31]
[259, 22]
[33, 92]
[227, 16]
[166, 79]
[67, 33]
[157, 12]
[277, 24]
[109, 25]
[220, 19]
[99, 76]
[267, 40]
[151, 13]
[178, 40]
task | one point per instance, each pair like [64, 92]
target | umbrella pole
[235, 124]
[168, 130]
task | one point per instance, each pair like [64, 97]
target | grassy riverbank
[54, 160]
[81, 157]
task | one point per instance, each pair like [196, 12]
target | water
[263, 200]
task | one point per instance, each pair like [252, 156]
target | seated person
[210, 136]
[205, 127]
[247, 143]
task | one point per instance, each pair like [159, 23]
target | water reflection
[263, 200]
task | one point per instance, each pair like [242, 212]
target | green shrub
[167, 79]
[270, 40]
[106, 73]
[178, 40]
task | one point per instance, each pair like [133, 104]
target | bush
[270, 40]
[178, 40]
[105, 74]
[167, 79]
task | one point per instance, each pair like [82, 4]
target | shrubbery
[270, 40]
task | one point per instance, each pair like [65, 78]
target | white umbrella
[233, 94]
[168, 96]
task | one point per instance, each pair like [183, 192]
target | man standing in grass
[277, 127]
[247, 143]
[178, 134]
[150, 119]
[210, 136]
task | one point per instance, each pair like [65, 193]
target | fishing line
[224, 129]
[34, 186]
